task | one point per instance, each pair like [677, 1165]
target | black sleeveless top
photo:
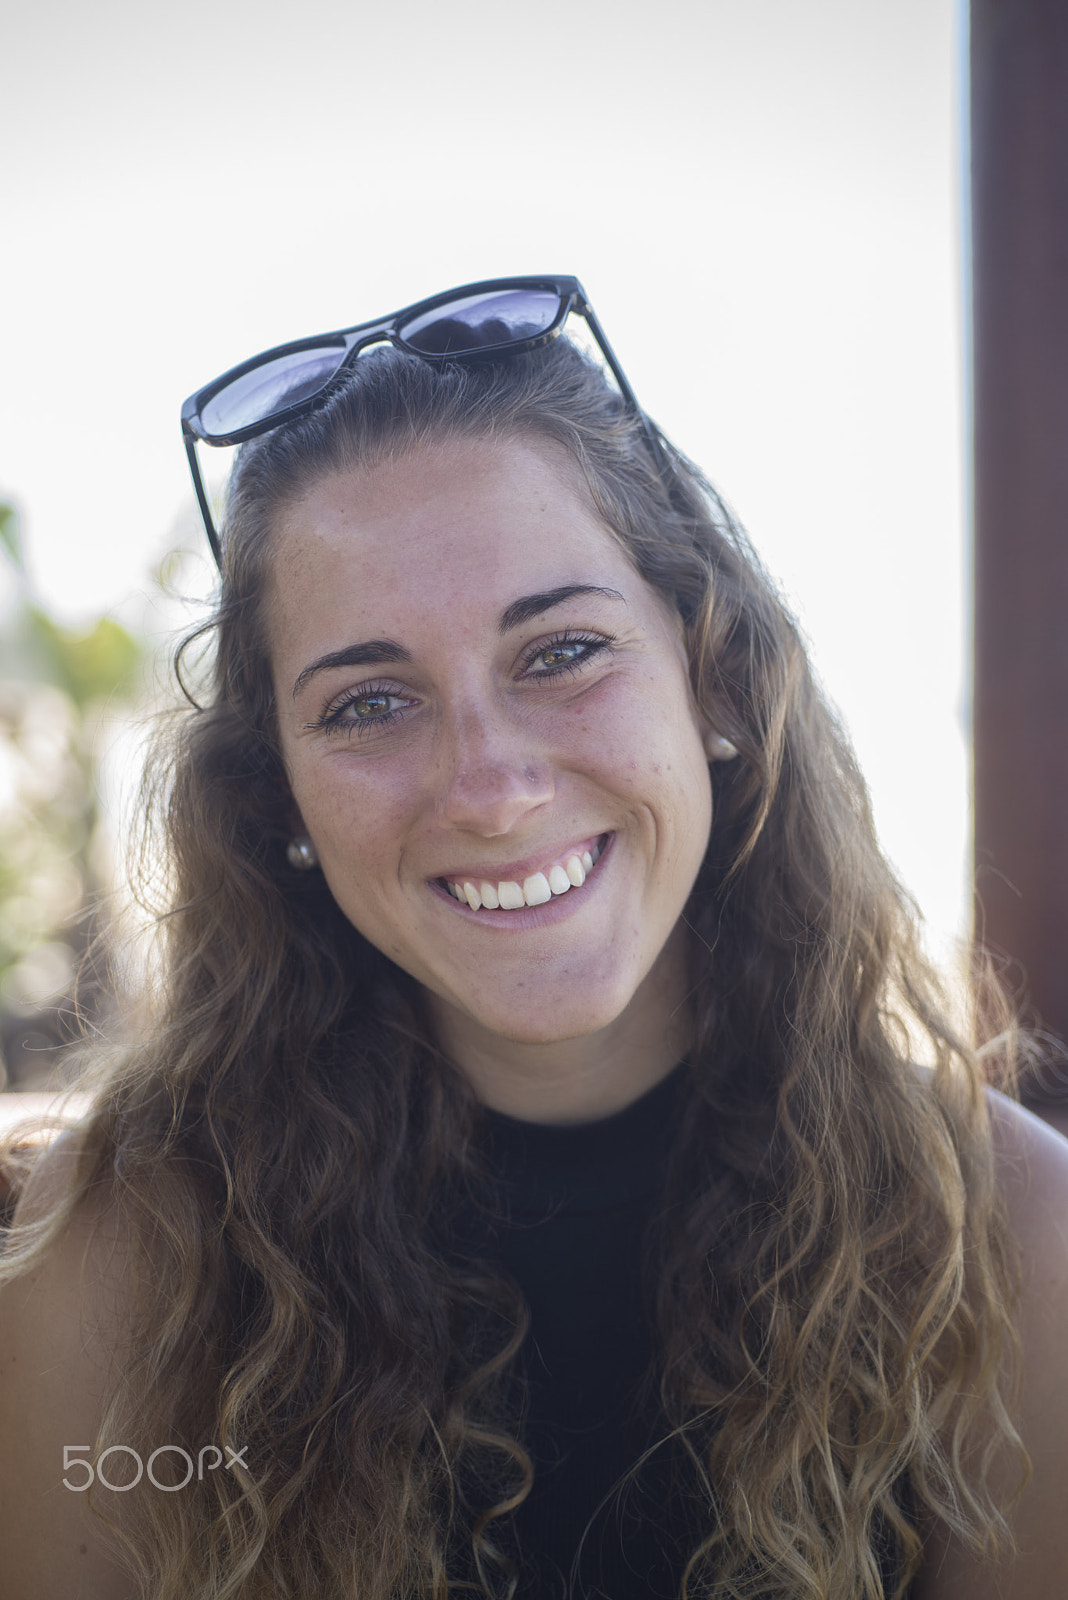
[572, 1205]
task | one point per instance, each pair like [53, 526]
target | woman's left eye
[566, 654]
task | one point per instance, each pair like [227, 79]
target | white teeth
[559, 882]
[536, 889]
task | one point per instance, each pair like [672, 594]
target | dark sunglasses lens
[482, 322]
[259, 394]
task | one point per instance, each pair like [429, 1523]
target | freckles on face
[480, 699]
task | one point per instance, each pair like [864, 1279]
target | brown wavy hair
[290, 1145]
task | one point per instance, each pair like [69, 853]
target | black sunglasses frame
[351, 341]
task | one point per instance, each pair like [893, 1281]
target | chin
[550, 1022]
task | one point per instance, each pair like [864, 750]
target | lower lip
[531, 916]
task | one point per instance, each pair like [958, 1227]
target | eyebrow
[532, 605]
[371, 653]
[384, 652]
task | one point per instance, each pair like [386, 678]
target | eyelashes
[376, 696]
[566, 654]
[572, 650]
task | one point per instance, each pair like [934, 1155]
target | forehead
[485, 520]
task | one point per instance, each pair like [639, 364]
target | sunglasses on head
[476, 322]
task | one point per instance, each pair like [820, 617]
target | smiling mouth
[506, 894]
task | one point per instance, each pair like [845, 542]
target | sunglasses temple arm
[202, 498]
[624, 387]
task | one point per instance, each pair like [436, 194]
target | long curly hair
[833, 1280]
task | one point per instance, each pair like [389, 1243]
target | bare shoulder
[1032, 1162]
[1033, 1171]
[62, 1338]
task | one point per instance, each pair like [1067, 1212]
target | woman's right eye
[362, 710]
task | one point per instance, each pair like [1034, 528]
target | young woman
[546, 1169]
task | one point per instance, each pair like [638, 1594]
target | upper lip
[516, 872]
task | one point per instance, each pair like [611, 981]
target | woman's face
[475, 688]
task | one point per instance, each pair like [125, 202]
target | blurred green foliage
[59, 688]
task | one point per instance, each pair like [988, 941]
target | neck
[585, 1078]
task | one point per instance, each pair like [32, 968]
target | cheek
[358, 845]
[360, 817]
[347, 822]
[655, 734]
[349, 800]
[645, 738]
[685, 784]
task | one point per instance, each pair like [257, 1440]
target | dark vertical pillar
[1019, 177]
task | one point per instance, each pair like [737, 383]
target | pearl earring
[718, 748]
[300, 853]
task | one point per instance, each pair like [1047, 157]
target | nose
[493, 775]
